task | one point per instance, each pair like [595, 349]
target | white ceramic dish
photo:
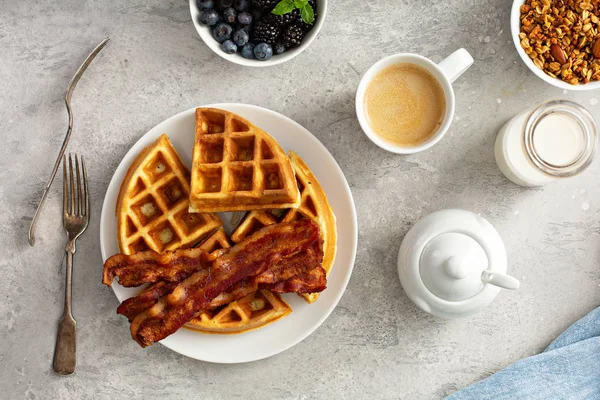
[207, 37]
[305, 318]
[452, 263]
[515, 27]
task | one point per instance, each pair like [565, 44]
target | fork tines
[75, 198]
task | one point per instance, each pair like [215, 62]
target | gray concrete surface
[376, 344]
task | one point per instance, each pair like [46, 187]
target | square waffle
[238, 166]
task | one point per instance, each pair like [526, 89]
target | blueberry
[278, 48]
[223, 4]
[208, 17]
[240, 5]
[263, 51]
[229, 47]
[248, 51]
[204, 4]
[244, 18]
[222, 32]
[240, 37]
[229, 15]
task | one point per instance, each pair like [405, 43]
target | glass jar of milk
[557, 139]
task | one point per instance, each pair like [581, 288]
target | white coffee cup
[446, 72]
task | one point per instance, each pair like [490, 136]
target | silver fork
[76, 216]
[61, 153]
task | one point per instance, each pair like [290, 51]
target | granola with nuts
[562, 38]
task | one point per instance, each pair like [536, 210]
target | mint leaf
[308, 14]
[299, 4]
[283, 7]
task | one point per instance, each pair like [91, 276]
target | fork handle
[65, 351]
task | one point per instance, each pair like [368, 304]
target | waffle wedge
[238, 166]
[152, 207]
[313, 205]
[252, 311]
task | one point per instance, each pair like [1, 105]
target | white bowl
[515, 27]
[205, 33]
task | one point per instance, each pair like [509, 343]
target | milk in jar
[557, 139]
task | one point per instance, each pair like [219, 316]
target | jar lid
[541, 117]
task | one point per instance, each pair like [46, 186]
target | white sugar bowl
[452, 264]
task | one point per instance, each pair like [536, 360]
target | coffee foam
[405, 104]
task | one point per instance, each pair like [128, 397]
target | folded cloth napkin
[568, 369]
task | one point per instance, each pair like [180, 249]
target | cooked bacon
[248, 258]
[312, 281]
[286, 268]
[150, 266]
[293, 265]
[150, 296]
[236, 292]
[144, 300]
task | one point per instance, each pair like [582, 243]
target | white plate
[305, 318]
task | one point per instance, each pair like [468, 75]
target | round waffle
[238, 166]
[152, 207]
[252, 311]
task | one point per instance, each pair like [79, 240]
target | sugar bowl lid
[452, 263]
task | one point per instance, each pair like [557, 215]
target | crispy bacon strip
[236, 292]
[149, 266]
[292, 266]
[312, 281]
[248, 258]
[149, 297]
[146, 299]
[286, 268]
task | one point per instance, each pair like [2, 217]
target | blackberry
[264, 5]
[282, 20]
[292, 36]
[264, 32]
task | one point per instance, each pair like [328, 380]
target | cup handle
[455, 64]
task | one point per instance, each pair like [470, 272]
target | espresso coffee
[405, 104]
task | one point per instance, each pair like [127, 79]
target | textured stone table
[376, 344]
